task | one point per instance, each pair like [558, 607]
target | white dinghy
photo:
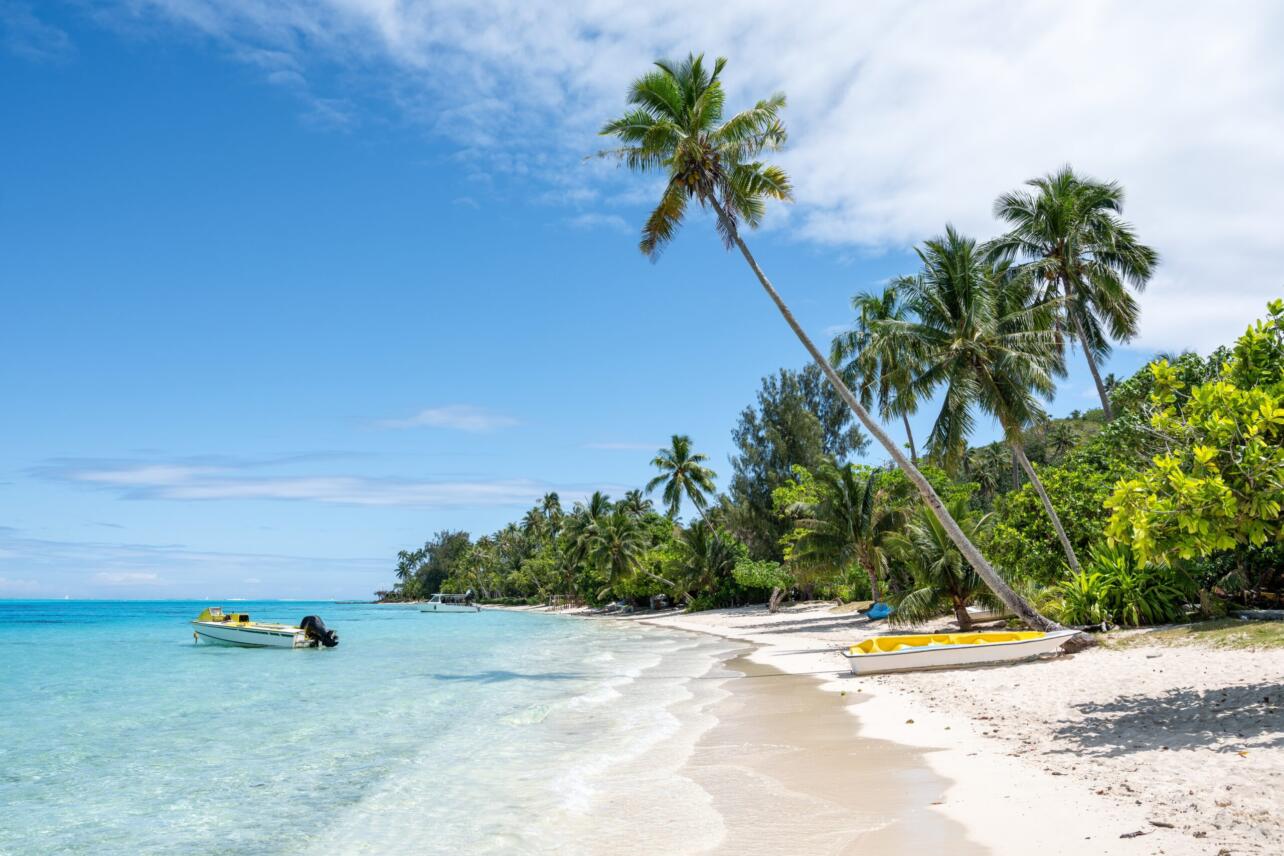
[451, 603]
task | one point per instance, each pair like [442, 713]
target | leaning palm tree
[1073, 240]
[989, 339]
[683, 474]
[675, 127]
[846, 527]
[941, 580]
[879, 379]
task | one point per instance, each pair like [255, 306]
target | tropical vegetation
[1171, 492]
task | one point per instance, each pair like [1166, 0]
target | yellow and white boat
[216, 627]
[951, 650]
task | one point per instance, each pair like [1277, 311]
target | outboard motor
[315, 628]
[468, 596]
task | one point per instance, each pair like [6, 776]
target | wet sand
[788, 771]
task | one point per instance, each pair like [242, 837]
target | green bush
[1112, 588]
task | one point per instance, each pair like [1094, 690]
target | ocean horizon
[490, 732]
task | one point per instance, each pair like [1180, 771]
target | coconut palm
[636, 504]
[707, 557]
[682, 473]
[1072, 239]
[845, 528]
[616, 544]
[878, 379]
[989, 339]
[675, 127]
[942, 580]
[1060, 439]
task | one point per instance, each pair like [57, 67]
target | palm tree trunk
[873, 581]
[1019, 605]
[961, 614]
[1019, 452]
[1092, 367]
[909, 435]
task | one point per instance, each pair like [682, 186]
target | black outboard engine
[315, 628]
[468, 596]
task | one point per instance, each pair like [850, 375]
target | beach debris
[1137, 834]
[1162, 824]
[911, 722]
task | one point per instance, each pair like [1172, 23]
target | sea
[491, 732]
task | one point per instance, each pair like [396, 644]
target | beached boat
[451, 603]
[216, 627]
[950, 650]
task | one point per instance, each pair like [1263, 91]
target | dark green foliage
[798, 421]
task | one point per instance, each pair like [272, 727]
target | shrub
[1112, 588]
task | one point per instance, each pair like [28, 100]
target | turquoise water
[490, 732]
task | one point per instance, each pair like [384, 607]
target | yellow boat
[216, 627]
[951, 650]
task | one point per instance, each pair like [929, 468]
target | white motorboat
[951, 650]
[451, 603]
[216, 627]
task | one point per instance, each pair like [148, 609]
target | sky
[290, 286]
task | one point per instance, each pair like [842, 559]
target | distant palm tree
[682, 473]
[986, 337]
[676, 127]
[534, 524]
[846, 527]
[878, 378]
[707, 557]
[1060, 440]
[616, 545]
[636, 504]
[551, 505]
[941, 578]
[986, 467]
[1079, 249]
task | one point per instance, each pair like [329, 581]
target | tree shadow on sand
[1248, 715]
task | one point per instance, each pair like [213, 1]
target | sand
[1077, 754]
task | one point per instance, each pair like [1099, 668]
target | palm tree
[534, 524]
[616, 545]
[675, 126]
[880, 379]
[636, 504]
[707, 557]
[551, 505]
[1060, 440]
[846, 527]
[990, 340]
[1073, 240]
[682, 472]
[941, 579]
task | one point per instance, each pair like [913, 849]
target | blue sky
[289, 288]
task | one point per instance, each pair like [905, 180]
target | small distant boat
[981, 614]
[451, 603]
[950, 650]
[216, 627]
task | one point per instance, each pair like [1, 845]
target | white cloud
[903, 116]
[127, 578]
[595, 220]
[244, 480]
[17, 586]
[461, 417]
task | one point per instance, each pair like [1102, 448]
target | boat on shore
[216, 627]
[451, 603]
[951, 650]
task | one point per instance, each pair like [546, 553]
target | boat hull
[211, 633]
[449, 607]
[954, 656]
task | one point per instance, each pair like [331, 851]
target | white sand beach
[1183, 745]
[1140, 749]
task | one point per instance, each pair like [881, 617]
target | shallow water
[491, 732]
